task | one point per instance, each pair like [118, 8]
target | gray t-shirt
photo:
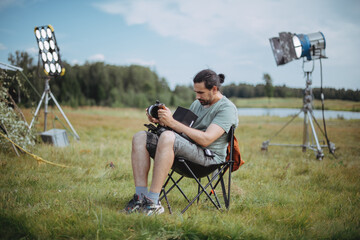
[224, 114]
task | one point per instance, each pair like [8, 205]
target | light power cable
[323, 110]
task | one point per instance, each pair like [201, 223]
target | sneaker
[134, 205]
[150, 208]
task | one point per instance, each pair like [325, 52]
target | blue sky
[177, 38]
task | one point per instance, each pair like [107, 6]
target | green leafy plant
[11, 124]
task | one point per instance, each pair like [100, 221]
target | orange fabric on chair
[236, 155]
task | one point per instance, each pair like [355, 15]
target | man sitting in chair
[216, 114]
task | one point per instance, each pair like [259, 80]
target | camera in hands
[153, 109]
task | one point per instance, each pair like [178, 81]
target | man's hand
[150, 118]
[165, 117]
[204, 139]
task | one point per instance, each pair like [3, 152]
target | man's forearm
[204, 139]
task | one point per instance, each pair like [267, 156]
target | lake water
[284, 112]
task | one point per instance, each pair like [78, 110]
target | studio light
[49, 50]
[310, 47]
[49, 53]
[290, 46]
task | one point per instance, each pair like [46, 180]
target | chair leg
[165, 184]
[198, 199]
[224, 192]
[212, 191]
[166, 199]
[203, 189]
[175, 184]
[217, 177]
[227, 205]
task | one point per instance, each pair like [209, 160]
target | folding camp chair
[214, 174]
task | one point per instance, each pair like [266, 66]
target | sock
[154, 197]
[140, 191]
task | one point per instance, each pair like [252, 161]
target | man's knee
[139, 139]
[167, 138]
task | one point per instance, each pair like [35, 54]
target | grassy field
[280, 194]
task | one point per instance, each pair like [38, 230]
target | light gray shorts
[183, 148]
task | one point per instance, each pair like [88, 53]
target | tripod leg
[68, 122]
[320, 153]
[37, 110]
[330, 145]
[266, 143]
[46, 109]
[305, 132]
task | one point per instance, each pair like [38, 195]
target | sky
[178, 38]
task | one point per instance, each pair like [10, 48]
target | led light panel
[49, 50]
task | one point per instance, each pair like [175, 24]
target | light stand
[286, 48]
[309, 117]
[47, 95]
[50, 55]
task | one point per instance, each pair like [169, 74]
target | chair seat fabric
[198, 170]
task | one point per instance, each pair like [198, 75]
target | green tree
[24, 61]
[269, 88]
[183, 96]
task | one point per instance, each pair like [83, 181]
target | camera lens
[153, 111]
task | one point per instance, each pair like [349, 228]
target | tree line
[137, 86]
[97, 84]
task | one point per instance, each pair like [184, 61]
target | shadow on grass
[14, 228]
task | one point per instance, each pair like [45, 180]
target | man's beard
[204, 102]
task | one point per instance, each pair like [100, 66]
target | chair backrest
[233, 151]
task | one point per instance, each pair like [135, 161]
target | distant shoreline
[296, 103]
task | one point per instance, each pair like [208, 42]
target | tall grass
[279, 194]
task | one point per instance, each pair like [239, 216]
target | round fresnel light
[290, 46]
[49, 51]
[297, 46]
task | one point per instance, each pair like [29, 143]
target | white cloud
[2, 47]
[4, 4]
[32, 50]
[210, 21]
[237, 32]
[205, 21]
[75, 62]
[97, 57]
[7, 3]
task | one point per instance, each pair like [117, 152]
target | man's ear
[214, 89]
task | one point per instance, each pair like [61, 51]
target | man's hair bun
[210, 78]
[222, 77]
